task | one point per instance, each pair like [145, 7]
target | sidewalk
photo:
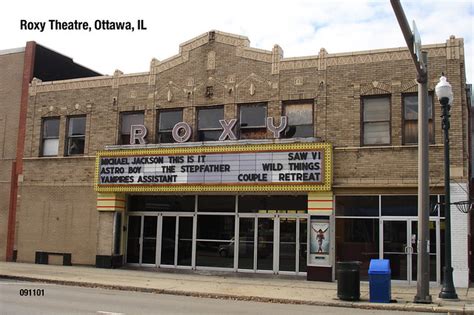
[230, 286]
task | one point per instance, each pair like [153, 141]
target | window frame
[432, 139]
[260, 128]
[158, 131]
[197, 137]
[67, 136]
[300, 102]
[362, 121]
[121, 115]
[43, 138]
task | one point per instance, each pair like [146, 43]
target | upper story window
[376, 120]
[166, 121]
[209, 128]
[253, 119]
[76, 135]
[300, 120]
[50, 136]
[127, 120]
[410, 119]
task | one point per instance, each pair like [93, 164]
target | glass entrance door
[133, 239]
[176, 240]
[265, 242]
[247, 249]
[168, 240]
[435, 270]
[276, 243]
[149, 240]
[396, 248]
[287, 244]
[141, 240]
[400, 242]
[185, 241]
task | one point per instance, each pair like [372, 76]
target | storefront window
[216, 203]
[215, 241]
[270, 204]
[209, 128]
[357, 240]
[166, 122]
[357, 206]
[161, 203]
[400, 206]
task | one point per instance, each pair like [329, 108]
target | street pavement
[72, 300]
[258, 288]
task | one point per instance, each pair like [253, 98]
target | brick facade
[238, 74]
[11, 63]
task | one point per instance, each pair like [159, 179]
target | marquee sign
[262, 167]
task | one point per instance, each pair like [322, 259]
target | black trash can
[348, 280]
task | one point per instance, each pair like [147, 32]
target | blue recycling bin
[379, 281]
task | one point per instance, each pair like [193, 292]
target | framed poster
[320, 242]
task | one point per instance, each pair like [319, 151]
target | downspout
[17, 166]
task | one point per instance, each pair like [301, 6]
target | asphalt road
[60, 299]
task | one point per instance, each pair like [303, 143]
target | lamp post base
[423, 299]
[448, 295]
[448, 291]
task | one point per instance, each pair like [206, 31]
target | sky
[300, 27]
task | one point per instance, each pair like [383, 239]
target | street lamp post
[420, 59]
[444, 93]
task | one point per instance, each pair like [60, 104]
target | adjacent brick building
[18, 67]
[351, 136]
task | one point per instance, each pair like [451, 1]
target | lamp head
[444, 91]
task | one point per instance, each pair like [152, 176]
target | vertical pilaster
[459, 234]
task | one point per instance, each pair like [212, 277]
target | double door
[400, 246]
[272, 243]
[160, 240]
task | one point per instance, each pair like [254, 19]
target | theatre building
[229, 158]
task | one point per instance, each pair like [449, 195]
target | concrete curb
[407, 307]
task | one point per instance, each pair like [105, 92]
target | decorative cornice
[172, 62]
[36, 86]
[254, 54]
[452, 49]
[231, 39]
[194, 43]
[219, 37]
[84, 83]
[299, 63]
[133, 79]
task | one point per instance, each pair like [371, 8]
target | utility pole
[421, 60]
